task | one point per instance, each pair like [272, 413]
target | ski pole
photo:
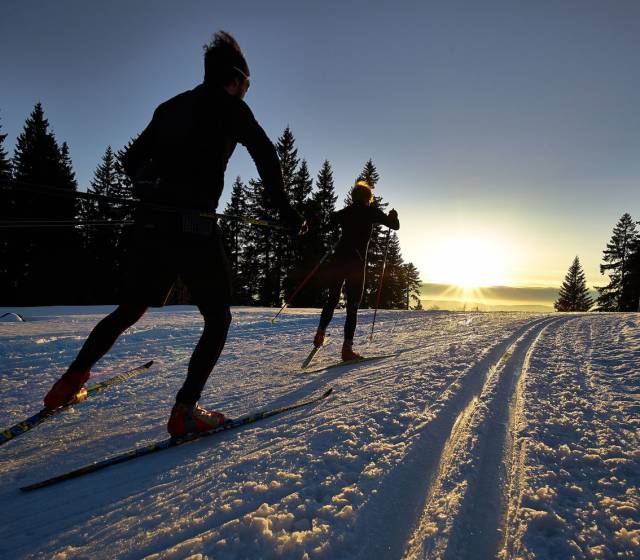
[61, 223]
[384, 264]
[55, 191]
[303, 284]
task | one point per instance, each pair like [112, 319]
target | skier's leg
[327, 311]
[105, 333]
[354, 289]
[101, 339]
[217, 318]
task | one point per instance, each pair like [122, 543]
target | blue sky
[512, 122]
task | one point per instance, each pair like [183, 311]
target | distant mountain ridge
[491, 298]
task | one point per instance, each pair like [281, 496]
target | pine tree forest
[80, 261]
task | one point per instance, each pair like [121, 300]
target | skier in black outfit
[178, 163]
[347, 266]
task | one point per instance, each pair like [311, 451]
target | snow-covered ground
[489, 435]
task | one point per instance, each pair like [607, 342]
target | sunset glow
[471, 263]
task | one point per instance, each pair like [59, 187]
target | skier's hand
[304, 228]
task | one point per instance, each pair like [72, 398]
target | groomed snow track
[472, 443]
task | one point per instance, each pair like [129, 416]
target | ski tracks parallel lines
[406, 488]
[463, 512]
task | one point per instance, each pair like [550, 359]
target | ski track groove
[479, 438]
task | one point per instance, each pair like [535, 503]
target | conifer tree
[392, 294]
[617, 259]
[5, 163]
[235, 237]
[412, 287]
[123, 186]
[43, 262]
[323, 205]
[322, 236]
[286, 255]
[6, 213]
[301, 188]
[301, 251]
[101, 242]
[574, 294]
[369, 174]
[262, 251]
[631, 290]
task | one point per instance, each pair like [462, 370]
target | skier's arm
[138, 155]
[390, 220]
[253, 137]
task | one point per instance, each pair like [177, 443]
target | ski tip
[327, 392]
[148, 364]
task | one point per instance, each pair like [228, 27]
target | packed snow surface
[488, 435]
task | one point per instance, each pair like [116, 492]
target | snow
[489, 435]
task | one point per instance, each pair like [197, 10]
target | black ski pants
[350, 273]
[217, 318]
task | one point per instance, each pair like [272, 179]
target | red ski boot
[191, 419]
[67, 390]
[348, 354]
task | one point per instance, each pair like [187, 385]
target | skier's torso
[193, 141]
[356, 222]
[188, 143]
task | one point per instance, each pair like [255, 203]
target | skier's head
[362, 193]
[225, 65]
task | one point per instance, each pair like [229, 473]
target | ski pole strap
[384, 265]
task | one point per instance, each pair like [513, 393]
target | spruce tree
[5, 163]
[412, 287]
[6, 213]
[369, 174]
[392, 294]
[43, 262]
[235, 238]
[617, 259]
[322, 236]
[322, 206]
[101, 242]
[301, 188]
[574, 294]
[123, 187]
[278, 245]
[263, 247]
[302, 250]
[631, 289]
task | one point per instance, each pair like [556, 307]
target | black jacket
[188, 143]
[356, 222]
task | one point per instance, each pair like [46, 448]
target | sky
[506, 134]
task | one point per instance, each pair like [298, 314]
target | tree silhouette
[574, 294]
[618, 259]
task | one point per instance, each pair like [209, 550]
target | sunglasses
[246, 78]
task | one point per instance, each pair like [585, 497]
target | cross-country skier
[347, 266]
[180, 160]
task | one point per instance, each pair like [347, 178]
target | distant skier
[179, 161]
[347, 265]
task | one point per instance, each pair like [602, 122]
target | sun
[470, 262]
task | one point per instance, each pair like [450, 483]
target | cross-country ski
[230, 424]
[46, 413]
